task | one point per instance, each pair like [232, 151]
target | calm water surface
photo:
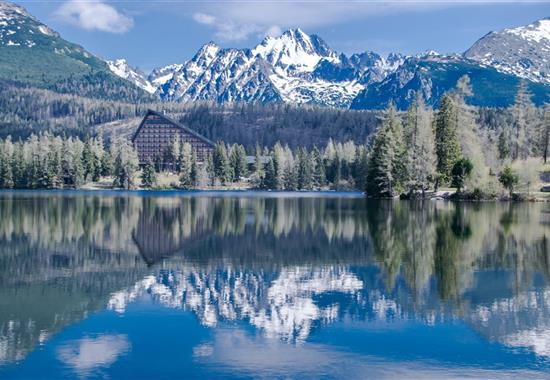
[196, 285]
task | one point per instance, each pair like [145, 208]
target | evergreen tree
[447, 146]
[462, 169]
[503, 145]
[361, 166]
[88, 161]
[257, 176]
[319, 173]
[304, 170]
[189, 172]
[222, 166]
[149, 175]
[238, 162]
[210, 172]
[171, 156]
[98, 151]
[19, 167]
[385, 168]
[6, 164]
[125, 166]
[335, 170]
[270, 179]
[71, 164]
[106, 165]
[508, 179]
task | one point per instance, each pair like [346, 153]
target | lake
[245, 285]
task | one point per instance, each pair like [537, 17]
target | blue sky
[159, 32]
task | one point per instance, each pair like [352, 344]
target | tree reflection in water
[285, 265]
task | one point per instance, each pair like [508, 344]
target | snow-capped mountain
[433, 75]
[32, 53]
[14, 21]
[121, 68]
[294, 67]
[298, 68]
[522, 51]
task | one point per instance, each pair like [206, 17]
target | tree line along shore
[417, 153]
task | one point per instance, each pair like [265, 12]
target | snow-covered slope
[121, 68]
[522, 51]
[295, 67]
[12, 19]
[302, 69]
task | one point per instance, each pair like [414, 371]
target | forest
[29, 110]
[479, 153]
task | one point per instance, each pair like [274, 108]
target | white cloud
[237, 19]
[87, 355]
[227, 29]
[203, 18]
[94, 15]
[234, 20]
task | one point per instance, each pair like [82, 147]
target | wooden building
[157, 132]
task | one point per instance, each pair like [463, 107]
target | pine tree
[304, 170]
[88, 161]
[71, 163]
[238, 162]
[54, 171]
[222, 166]
[125, 166]
[447, 146]
[335, 169]
[270, 179]
[189, 172]
[106, 165]
[319, 174]
[19, 171]
[508, 179]
[462, 169]
[503, 145]
[257, 176]
[98, 151]
[149, 175]
[210, 172]
[385, 160]
[170, 157]
[361, 166]
[6, 164]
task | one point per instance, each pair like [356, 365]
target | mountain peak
[7, 8]
[522, 51]
[294, 51]
[537, 31]
[121, 68]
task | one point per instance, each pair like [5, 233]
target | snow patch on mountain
[12, 19]
[536, 32]
[121, 68]
[295, 67]
[294, 51]
[522, 51]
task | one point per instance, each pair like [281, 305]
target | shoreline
[98, 191]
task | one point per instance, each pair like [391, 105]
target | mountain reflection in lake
[247, 285]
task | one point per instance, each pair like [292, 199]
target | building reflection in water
[286, 266]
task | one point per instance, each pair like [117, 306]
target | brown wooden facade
[157, 132]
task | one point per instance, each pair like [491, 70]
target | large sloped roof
[175, 123]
